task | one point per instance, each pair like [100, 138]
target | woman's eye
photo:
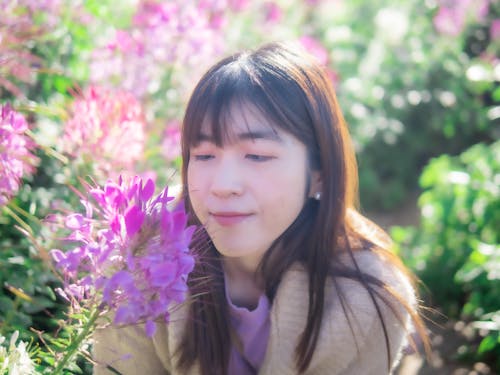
[258, 158]
[203, 157]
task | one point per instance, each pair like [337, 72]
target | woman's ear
[316, 187]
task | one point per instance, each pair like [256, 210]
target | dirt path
[449, 340]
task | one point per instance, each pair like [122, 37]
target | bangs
[231, 86]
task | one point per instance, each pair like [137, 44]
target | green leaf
[38, 304]
[50, 293]
[22, 320]
[74, 368]
[6, 304]
[61, 84]
[488, 343]
[496, 94]
[402, 234]
[432, 174]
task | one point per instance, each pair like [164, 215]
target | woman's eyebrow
[261, 134]
[250, 135]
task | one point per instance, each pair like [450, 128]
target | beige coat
[337, 352]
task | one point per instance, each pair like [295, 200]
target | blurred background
[98, 87]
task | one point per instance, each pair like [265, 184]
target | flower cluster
[171, 145]
[106, 128]
[130, 249]
[15, 359]
[16, 158]
[452, 16]
[320, 53]
[163, 34]
[18, 30]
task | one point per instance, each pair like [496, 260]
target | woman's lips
[229, 218]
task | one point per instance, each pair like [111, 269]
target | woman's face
[250, 190]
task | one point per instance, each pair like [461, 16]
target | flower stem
[20, 221]
[19, 210]
[75, 345]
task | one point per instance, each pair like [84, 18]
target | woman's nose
[227, 179]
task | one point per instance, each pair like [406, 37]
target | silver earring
[317, 196]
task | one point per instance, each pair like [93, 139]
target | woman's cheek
[199, 175]
[196, 203]
[193, 183]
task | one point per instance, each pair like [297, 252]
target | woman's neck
[242, 283]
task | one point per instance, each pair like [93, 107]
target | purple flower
[16, 158]
[128, 252]
[134, 218]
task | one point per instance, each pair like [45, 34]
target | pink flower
[105, 128]
[315, 48]
[185, 35]
[238, 5]
[483, 8]
[273, 12]
[171, 146]
[452, 15]
[495, 29]
[128, 252]
[153, 14]
[217, 20]
[125, 43]
[449, 21]
[23, 22]
[16, 158]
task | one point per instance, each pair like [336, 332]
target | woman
[290, 278]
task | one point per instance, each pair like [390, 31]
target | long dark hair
[295, 93]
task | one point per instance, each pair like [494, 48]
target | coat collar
[288, 317]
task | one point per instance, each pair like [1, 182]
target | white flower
[392, 25]
[15, 360]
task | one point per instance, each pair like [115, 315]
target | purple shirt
[252, 328]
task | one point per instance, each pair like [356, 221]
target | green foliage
[408, 92]
[28, 302]
[456, 250]
[66, 49]
[27, 298]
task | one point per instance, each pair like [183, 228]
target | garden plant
[91, 99]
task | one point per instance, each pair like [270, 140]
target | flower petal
[134, 217]
[148, 190]
[74, 221]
